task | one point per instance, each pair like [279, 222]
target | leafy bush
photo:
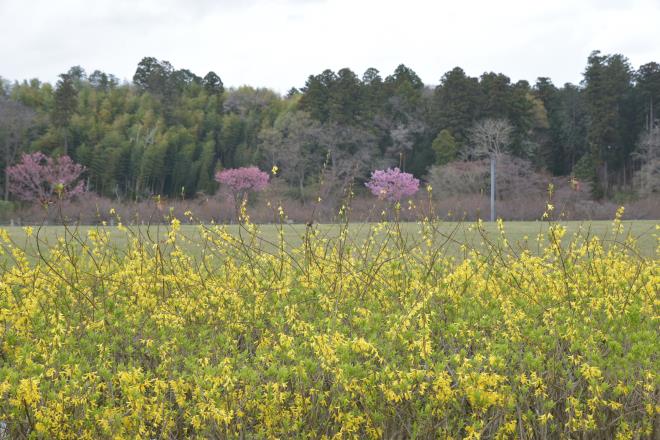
[388, 337]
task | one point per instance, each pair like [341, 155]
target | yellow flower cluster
[336, 338]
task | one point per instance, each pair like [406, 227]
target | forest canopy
[169, 130]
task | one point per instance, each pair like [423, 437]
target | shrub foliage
[385, 337]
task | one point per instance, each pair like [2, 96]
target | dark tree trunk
[6, 192]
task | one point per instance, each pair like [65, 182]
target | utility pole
[492, 187]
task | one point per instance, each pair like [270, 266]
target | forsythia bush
[386, 337]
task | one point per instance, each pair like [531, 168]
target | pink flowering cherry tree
[44, 179]
[392, 184]
[240, 181]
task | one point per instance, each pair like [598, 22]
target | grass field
[451, 236]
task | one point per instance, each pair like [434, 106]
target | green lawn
[450, 235]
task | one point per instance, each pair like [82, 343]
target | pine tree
[65, 104]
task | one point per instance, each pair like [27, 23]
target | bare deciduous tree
[294, 144]
[488, 137]
[15, 122]
[4, 86]
[402, 127]
[403, 137]
[299, 146]
[244, 99]
[517, 178]
[648, 153]
[350, 153]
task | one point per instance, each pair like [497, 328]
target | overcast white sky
[278, 43]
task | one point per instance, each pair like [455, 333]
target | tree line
[169, 130]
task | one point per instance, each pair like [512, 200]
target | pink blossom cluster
[243, 179]
[39, 178]
[392, 184]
